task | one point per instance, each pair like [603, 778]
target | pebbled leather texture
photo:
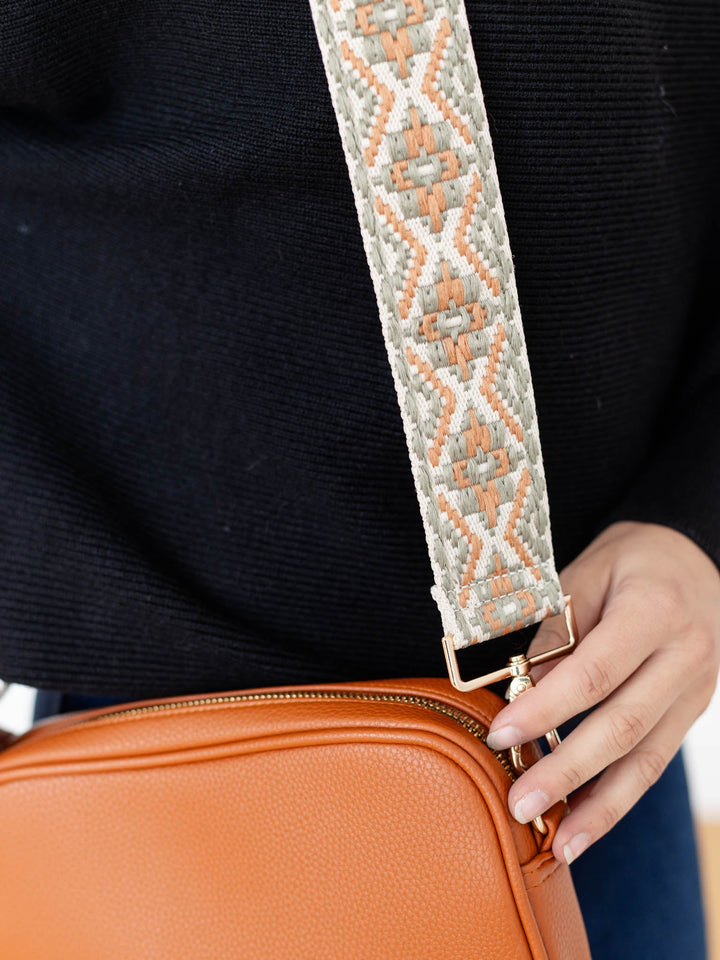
[332, 827]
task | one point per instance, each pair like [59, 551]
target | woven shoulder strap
[406, 92]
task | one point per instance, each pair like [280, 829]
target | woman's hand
[647, 604]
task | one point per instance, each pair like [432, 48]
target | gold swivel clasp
[517, 671]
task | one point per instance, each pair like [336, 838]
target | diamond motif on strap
[406, 92]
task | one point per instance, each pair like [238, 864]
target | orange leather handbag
[343, 821]
[349, 820]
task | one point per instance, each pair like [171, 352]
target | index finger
[620, 642]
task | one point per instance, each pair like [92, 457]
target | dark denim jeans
[638, 886]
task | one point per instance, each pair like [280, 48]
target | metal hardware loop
[506, 672]
[520, 683]
[517, 671]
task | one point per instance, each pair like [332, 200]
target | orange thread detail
[443, 427]
[502, 587]
[529, 599]
[477, 435]
[418, 16]
[385, 98]
[427, 327]
[503, 462]
[418, 135]
[488, 500]
[433, 92]
[459, 468]
[515, 514]
[492, 283]
[414, 278]
[460, 524]
[431, 203]
[451, 291]
[492, 396]
[489, 610]
[500, 582]
[362, 15]
[459, 353]
[398, 48]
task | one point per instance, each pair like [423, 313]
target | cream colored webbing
[406, 92]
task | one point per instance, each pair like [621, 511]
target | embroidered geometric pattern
[406, 92]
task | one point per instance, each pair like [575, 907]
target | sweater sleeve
[679, 483]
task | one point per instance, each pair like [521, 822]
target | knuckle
[705, 644]
[663, 597]
[596, 681]
[634, 585]
[626, 727]
[668, 598]
[571, 777]
[651, 764]
[609, 816]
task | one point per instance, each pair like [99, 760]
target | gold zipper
[470, 724]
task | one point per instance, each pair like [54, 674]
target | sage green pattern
[406, 92]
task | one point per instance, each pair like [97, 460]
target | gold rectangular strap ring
[511, 669]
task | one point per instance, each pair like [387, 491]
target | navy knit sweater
[204, 483]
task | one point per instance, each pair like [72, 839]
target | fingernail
[575, 846]
[531, 805]
[504, 737]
